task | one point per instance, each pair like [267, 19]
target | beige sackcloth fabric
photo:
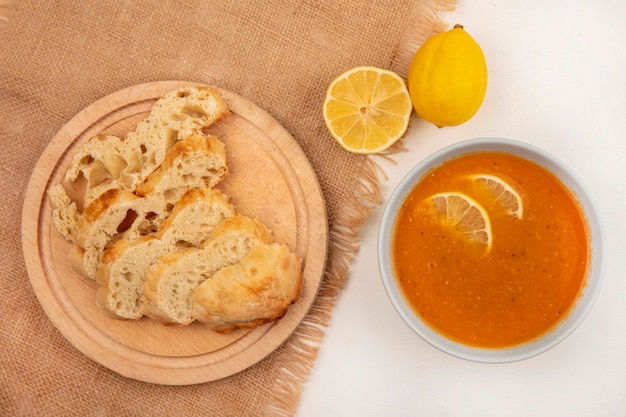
[57, 57]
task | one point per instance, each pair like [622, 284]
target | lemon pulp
[462, 213]
[367, 109]
[502, 193]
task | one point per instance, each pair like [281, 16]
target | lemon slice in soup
[502, 193]
[466, 216]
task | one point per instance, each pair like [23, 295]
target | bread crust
[258, 289]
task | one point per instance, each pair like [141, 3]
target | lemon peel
[447, 78]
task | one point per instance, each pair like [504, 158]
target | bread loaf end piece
[257, 290]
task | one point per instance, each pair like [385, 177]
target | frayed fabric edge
[344, 244]
[417, 33]
[304, 344]
[344, 240]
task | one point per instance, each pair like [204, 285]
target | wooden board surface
[270, 179]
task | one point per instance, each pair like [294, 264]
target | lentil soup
[519, 286]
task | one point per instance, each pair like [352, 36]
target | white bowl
[566, 326]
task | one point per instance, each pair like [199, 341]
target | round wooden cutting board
[270, 179]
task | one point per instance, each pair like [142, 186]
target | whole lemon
[447, 78]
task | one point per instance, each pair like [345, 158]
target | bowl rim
[595, 274]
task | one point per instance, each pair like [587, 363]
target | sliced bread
[114, 215]
[148, 225]
[98, 163]
[170, 283]
[123, 267]
[192, 163]
[173, 117]
[107, 161]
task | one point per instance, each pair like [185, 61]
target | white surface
[556, 80]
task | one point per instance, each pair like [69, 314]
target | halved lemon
[367, 109]
[502, 192]
[466, 216]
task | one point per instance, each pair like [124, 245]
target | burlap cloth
[56, 57]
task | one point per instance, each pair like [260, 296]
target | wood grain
[270, 179]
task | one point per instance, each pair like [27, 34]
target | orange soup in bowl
[490, 249]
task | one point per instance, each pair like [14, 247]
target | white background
[557, 74]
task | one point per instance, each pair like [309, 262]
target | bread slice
[196, 161]
[148, 225]
[65, 214]
[258, 289]
[102, 218]
[184, 111]
[170, 283]
[194, 217]
[123, 267]
[114, 215]
[122, 273]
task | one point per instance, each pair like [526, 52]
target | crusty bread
[119, 213]
[196, 161]
[106, 161]
[102, 218]
[258, 289]
[116, 214]
[169, 286]
[123, 267]
[122, 273]
[147, 224]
